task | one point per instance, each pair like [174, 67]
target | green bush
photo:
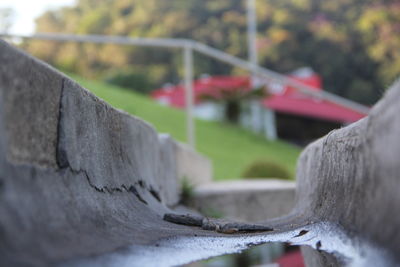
[132, 79]
[266, 169]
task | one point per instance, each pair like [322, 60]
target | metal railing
[188, 46]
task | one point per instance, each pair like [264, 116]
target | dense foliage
[135, 79]
[266, 169]
[353, 44]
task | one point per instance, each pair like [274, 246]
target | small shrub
[266, 169]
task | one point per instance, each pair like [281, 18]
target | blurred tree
[353, 44]
[380, 28]
[231, 99]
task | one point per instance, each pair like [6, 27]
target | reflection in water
[182, 250]
[263, 255]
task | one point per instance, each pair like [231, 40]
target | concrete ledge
[246, 200]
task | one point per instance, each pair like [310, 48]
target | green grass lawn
[229, 147]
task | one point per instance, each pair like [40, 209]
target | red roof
[309, 107]
[175, 95]
[282, 99]
[291, 101]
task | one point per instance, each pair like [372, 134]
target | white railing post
[252, 57]
[270, 130]
[252, 31]
[257, 120]
[189, 97]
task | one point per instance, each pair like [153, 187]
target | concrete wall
[251, 200]
[78, 177]
[192, 166]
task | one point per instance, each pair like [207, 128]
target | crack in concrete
[63, 163]
[61, 159]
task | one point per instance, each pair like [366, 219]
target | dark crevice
[155, 194]
[106, 189]
[141, 183]
[302, 232]
[136, 193]
[318, 245]
[61, 154]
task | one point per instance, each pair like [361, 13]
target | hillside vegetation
[230, 148]
[352, 44]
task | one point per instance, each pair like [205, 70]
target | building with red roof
[289, 100]
[289, 104]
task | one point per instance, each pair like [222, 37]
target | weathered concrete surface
[84, 184]
[77, 177]
[31, 128]
[246, 200]
[351, 178]
[81, 182]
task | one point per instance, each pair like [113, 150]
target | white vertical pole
[255, 108]
[252, 31]
[188, 70]
[270, 125]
